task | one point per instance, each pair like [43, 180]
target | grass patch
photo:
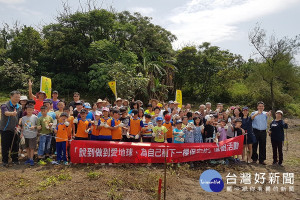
[293, 161]
[54, 180]
[93, 175]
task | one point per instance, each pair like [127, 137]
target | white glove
[127, 134]
[181, 140]
[181, 133]
[137, 136]
[75, 121]
[96, 122]
[87, 130]
[102, 124]
[216, 140]
[106, 126]
[54, 123]
[67, 123]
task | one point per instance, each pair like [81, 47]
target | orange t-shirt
[62, 133]
[95, 131]
[38, 104]
[116, 133]
[103, 130]
[169, 127]
[135, 126]
[81, 127]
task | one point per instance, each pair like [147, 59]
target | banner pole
[116, 91]
[165, 173]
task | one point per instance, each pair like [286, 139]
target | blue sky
[225, 23]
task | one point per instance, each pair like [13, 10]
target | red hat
[167, 117]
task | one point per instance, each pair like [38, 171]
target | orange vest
[116, 133]
[81, 127]
[62, 133]
[135, 126]
[103, 130]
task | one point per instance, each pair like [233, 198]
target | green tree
[276, 55]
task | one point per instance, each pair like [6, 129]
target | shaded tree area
[84, 50]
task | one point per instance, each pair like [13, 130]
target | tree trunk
[272, 98]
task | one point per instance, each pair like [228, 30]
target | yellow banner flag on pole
[179, 98]
[113, 87]
[46, 86]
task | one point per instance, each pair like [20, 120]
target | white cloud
[143, 10]
[25, 11]
[12, 1]
[217, 20]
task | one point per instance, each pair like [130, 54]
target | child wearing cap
[95, 127]
[61, 132]
[83, 126]
[147, 129]
[116, 126]
[124, 120]
[178, 133]
[276, 132]
[105, 131]
[160, 131]
[135, 126]
[169, 125]
[55, 100]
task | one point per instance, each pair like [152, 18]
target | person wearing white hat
[23, 101]
[276, 132]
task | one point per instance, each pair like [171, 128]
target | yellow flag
[113, 87]
[179, 98]
[46, 86]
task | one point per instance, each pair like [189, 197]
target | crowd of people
[49, 125]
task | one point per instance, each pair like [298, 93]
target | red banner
[83, 151]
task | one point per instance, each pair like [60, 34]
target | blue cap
[87, 105]
[159, 119]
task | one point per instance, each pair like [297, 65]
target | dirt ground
[140, 182]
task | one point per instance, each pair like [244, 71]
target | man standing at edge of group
[11, 112]
[259, 124]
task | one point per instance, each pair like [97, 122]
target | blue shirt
[260, 121]
[90, 116]
[51, 114]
